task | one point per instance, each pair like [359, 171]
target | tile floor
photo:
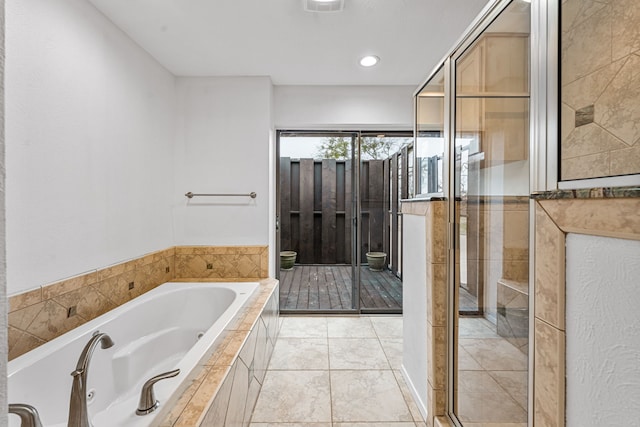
[337, 372]
[345, 372]
[492, 382]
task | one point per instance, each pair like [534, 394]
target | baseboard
[421, 405]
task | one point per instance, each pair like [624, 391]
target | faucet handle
[29, 416]
[148, 402]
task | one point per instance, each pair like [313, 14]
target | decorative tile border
[44, 313]
[588, 193]
[617, 217]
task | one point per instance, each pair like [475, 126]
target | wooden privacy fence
[317, 209]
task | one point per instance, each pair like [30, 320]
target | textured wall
[603, 349]
[90, 117]
[222, 146]
[343, 107]
[600, 88]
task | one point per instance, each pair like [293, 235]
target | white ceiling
[277, 38]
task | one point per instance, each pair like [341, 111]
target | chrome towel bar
[253, 195]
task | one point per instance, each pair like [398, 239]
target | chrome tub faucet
[29, 416]
[78, 412]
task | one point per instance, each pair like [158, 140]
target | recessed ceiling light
[369, 61]
[323, 5]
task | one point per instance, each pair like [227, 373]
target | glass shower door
[491, 224]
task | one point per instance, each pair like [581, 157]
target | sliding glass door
[339, 222]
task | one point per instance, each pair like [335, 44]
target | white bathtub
[154, 333]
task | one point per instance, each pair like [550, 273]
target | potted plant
[287, 259]
[376, 260]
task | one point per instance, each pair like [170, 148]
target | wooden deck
[328, 287]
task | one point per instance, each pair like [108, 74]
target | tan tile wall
[600, 88]
[218, 262]
[617, 217]
[42, 314]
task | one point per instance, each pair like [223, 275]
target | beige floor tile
[387, 327]
[392, 348]
[466, 362]
[476, 327]
[294, 396]
[495, 424]
[495, 354]
[515, 383]
[367, 396]
[390, 424]
[489, 408]
[290, 425]
[350, 327]
[356, 353]
[304, 327]
[477, 381]
[408, 397]
[300, 353]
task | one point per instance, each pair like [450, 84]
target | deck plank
[328, 287]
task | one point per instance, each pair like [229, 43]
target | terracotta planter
[376, 260]
[287, 259]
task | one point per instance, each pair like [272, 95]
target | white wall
[603, 324]
[90, 120]
[3, 266]
[344, 107]
[414, 301]
[224, 132]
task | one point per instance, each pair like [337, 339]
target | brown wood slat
[294, 291]
[344, 285]
[305, 254]
[286, 279]
[312, 284]
[285, 204]
[332, 288]
[376, 216]
[340, 220]
[385, 206]
[404, 191]
[380, 282]
[381, 299]
[303, 294]
[348, 211]
[324, 300]
[394, 213]
[329, 207]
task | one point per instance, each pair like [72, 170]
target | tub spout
[78, 412]
[148, 402]
[29, 416]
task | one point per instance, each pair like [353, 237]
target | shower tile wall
[49, 311]
[600, 88]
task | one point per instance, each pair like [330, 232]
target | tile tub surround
[222, 262]
[44, 313]
[607, 217]
[225, 387]
[600, 115]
